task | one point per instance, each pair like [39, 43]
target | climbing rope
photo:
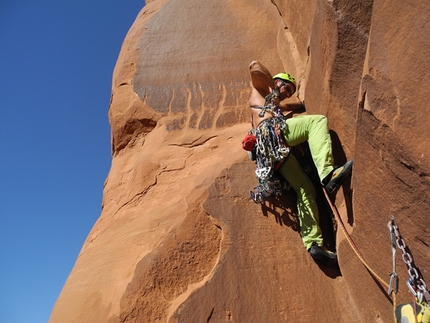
[393, 278]
[351, 242]
[415, 283]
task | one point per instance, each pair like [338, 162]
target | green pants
[314, 129]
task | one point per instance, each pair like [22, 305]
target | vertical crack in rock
[300, 67]
[210, 315]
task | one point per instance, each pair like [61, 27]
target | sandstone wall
[178, 240]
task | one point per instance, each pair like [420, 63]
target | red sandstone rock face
[179, 241]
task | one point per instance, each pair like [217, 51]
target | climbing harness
[419, 309]
[270, 151]
[270, 146]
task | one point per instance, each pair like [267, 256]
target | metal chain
[415, 283]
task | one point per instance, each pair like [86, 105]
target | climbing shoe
[333, 181]
[322, 254]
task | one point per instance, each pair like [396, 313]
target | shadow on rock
[284, 207]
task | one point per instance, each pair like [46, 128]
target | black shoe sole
[323, 256]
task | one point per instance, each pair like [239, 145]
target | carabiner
[393, 277]
[410, 284]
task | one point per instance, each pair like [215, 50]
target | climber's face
[285, 88]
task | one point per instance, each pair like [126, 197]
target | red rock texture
[178, 240]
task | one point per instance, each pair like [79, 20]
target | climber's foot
[322, 254]
[336, 178]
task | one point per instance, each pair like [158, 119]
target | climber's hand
[276, 97]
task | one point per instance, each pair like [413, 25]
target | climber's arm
[261, 78]
[288, 105]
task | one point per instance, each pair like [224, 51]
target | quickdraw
[273, 186]
[394, 278]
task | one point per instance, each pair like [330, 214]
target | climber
[275, 134]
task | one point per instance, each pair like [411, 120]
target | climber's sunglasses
[289, 87]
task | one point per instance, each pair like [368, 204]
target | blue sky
[56, 64]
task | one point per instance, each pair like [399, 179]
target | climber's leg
[314, 129]
[306, 201]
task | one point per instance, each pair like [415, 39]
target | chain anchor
[415, 283]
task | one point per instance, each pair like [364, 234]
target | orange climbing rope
[415, 283]
[351, 242]
[391, 292]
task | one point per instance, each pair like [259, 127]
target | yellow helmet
[286, 77]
